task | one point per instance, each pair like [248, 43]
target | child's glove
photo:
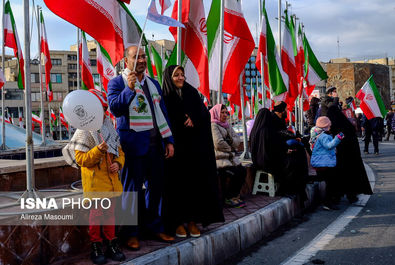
[340, 136]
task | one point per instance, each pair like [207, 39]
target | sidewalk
[242, 228]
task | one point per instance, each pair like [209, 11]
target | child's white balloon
[83, 110]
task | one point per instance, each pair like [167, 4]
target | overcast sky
[365, 28]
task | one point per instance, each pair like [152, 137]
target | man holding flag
[142, 124]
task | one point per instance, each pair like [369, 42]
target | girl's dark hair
[223, 107]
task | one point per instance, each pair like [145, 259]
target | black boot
[113, 251]
[97, 255]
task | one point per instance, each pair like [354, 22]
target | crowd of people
[174, 163]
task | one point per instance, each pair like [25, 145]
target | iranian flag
[164, 4]
[194, 39]
[300, 59]
[275, 78]
[151, 71]
[2, 79]
[238, 45]
[63, 119]
[288, 53]
[158, 63]
[46, 57]
[86, 71]
[11, 40]
[314, 73]
[108, 22]
[53, 116]
[105, 67]
[20, 118]
[372, 104]
[37, 118]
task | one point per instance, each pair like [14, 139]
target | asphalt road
[369, 238]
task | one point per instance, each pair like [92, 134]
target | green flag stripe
[311, 59]
[275, 78]
[213, 23]
[377, 95]
[141, 117]
[158, 63]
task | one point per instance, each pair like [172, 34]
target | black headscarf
[168, 86]
[268, 151]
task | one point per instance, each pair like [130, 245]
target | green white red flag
[314, 73]
[63, 119]
[108, 22]
[105, 67]
[11, 40]
[20, 118]
[288, 53]
[85, 63]
[238, 45]
[37, 118]
[46, 58]
[194, 39]
[158, 63]
[275, 78]
[372, 104]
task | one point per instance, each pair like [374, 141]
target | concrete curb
[226, 241]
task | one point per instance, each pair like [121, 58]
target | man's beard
[140, 67]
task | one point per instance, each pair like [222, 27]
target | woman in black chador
[351, 174]
[191, 191]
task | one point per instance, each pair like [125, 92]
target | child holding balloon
[100, 163]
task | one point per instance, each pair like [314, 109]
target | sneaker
[97, 256]
[326, 207]
[193, 230]
[376, 153]
[329, 207]
[181, 232]
[114, 252]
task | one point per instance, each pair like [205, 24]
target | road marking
[329, 233]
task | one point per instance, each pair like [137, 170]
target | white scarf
[85, 140]
[140, 116]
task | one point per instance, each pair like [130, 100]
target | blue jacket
[324, 152]
[119, 98]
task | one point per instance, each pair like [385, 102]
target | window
[248, 73]
[93, 62]
[247, 66]
[36, 96]
[253, 73]
[72, 75]
[57, 96]
[56, 78]
[248, 80]
[71, 57]
[34, 78]
[56, 61]
[253, 66]
[72, 66]
[252, 59]
[96, 78]
[71, 83]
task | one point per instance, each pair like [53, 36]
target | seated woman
[226, 141]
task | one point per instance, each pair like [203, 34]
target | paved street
[335, 237]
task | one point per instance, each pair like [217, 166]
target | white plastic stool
[270, 186]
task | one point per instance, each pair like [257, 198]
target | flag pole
[262, 58]
[221, 51]
[179, 18]
[78, 58]
[3, 146]
[43, 142]
[279, 27]
[60, 128]
[30, 181]
[246, 154]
